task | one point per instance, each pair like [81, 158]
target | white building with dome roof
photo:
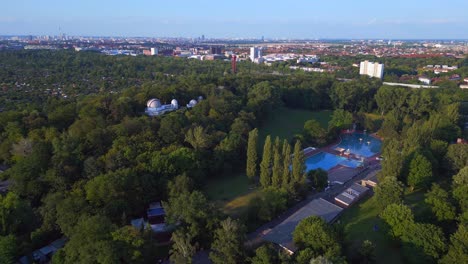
[155, 108]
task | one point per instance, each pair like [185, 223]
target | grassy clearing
[286, 122]
[227, 187]
[359, 222]
[421, 210]
[239, 205]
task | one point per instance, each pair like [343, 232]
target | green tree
[457, 156]
[460, 188]
[367, 252]
[268, 204]
[91, 242]
[265, 254]
[318, 178]
[277, 169]
[227, 246]
[252, 158]
[129, 243]
[389, 191]
[15, 214]
[198, 138]
[265, 165]
[314, 133]
[423, 242]
[298, 167]
[182, 249]
[341, 119]
[399, 217]
[439, 201]
[420, 174]
[286, 179]
[314, 233]
[8, 249]
[458, 249]
[320, 260]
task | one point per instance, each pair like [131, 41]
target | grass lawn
[359, 222]
[232, 193]
[286, 122]
[227, 187]
[421, 210]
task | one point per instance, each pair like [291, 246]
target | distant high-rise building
[372, 69]
[202, 37]
[154, 51]
[215, 50]
[255, 53]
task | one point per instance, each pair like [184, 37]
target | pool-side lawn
[286, 122]
[359, 222]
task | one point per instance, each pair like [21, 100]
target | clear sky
[389, 19]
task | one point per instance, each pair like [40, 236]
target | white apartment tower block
[372, 69]
[255, 53]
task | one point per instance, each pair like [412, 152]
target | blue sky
[238, 18]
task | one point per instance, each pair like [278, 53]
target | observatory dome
[193, 102]
[174, 103]
[153, 103]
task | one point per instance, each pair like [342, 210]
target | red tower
[234, 64]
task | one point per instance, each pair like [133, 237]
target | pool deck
[339, 173]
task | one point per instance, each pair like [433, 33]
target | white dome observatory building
[155, 108]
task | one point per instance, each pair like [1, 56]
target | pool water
[360, 144]
[326, 161]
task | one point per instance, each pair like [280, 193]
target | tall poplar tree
[298, 166]
[265, 166]
[251, 168]
[277, 165]
[286, 177]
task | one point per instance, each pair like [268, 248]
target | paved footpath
[256, 237]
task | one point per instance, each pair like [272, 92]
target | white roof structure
[154, 107]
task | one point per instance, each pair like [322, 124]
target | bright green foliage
[298, 167]
[341, 119]
[277, 169]
[91, 242]
[8, 249]
[438, 198]
[457, 156]
[420, 174]
[228, 243]
[423, 242]
[392, 165]
[129, 243]
[314, 133]
[266, 164]
[458, 248]
[389, 191]
[320, 260]
[460, 188]
[252, 159]
[314, 233]
[286, 179]
[399, 217]
[198, 138]
[182, 249]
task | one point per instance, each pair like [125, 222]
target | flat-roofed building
[282, 234]
[372, 69]
[351, 195]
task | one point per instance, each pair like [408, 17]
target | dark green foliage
[389, 191]
[277, 169]
[265, 254]
[8, 249]
[268, 204]
[318, 179]
[228, 244]
[457, 250]
[266, 164]
[182, 249]
[252, 158]
[298, 167]
[457, 156]
[438, 198]
[314, 234]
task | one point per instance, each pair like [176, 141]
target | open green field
[286, 122]
[359, 222]
[232, 193]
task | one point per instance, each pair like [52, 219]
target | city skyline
[243, 19]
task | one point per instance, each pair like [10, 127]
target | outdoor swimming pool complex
[326, 161]
[357, 143]
[360, 144]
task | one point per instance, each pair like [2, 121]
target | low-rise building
[351, 195]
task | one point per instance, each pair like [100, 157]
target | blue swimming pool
[360, 144]
[326, 161]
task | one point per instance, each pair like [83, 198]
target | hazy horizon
[301, 19]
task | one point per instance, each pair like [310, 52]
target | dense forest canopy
[84, 159]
